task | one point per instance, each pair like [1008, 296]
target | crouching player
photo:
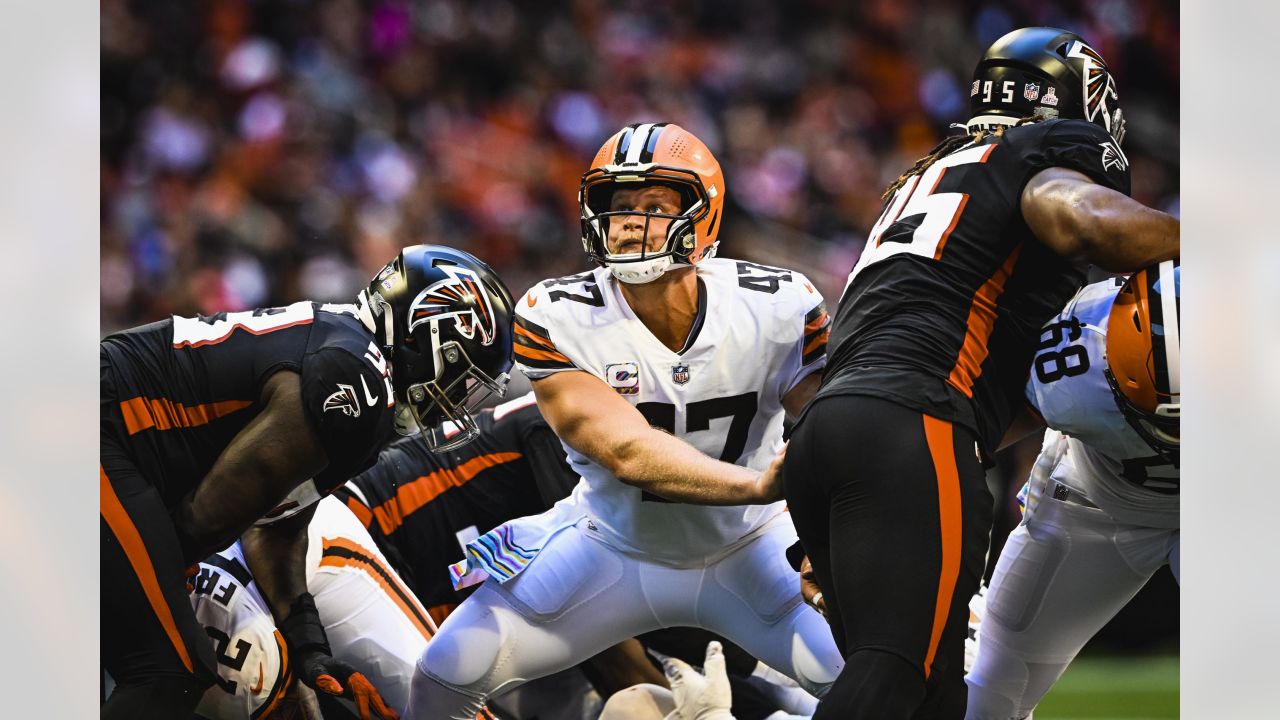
[371, 619]
[1102, 508]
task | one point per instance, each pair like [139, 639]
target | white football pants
[1063, 574]
[371, 618]
[580, 596]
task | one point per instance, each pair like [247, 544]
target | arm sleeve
[345, 401]
[536, 353]
[810, 352]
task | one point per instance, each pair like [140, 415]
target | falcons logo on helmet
[1099, 86]
[461, 296]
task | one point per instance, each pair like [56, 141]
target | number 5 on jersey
[941, 212]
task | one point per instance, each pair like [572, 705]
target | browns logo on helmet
[1144, 356]
[642, 155]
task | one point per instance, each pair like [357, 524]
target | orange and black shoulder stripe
[817, 328]
[534, 347]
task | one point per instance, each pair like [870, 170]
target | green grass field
[1141, 688]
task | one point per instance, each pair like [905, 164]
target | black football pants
[151, 643]
[892, 507]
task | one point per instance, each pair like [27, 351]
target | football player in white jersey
[667, 374]
[1102, 507]
[372, 621]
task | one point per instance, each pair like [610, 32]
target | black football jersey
[418, 506]
[184, 387]
[942, 312]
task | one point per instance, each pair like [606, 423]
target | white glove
[700, 697]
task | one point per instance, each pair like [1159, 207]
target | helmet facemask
[443, 319]
[458, 389]
[596, 197]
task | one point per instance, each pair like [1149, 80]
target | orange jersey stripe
[362, 513]
[938, 434]
[142, 413]
[413, 495]
[816, 323]
[371, 565]
[131, 542]
[982, 320]
[817, 342]
[535, 338]
[532, 354]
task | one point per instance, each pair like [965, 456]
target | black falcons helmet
[1046, 73]
[444, 319]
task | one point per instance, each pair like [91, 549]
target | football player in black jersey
[417, 504]
[207, 423]
[979, 243]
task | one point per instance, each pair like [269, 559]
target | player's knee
[815, 660]
[468, 646]
[996, 683]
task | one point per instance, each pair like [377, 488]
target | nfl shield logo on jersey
[624, 378]
[680, 374]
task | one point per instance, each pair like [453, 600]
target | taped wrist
[302, 630]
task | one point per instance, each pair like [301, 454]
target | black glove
[304, 635]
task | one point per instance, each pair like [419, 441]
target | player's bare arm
[1081, 220]
[594, 420]
[277, 557]
[273, 454]
[800, 395]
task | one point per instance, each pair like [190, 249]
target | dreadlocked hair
[946, 147]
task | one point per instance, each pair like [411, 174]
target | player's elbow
[624, 458]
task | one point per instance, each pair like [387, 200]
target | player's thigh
[576, 598]
[909, 528]
[148, 627]
[806, 471]
[372, 619]
[1060, 578]
[752, 597]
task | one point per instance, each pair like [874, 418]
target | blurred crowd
[257, 152]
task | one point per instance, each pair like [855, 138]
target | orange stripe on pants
[372, 566]
[134, 549]
[938, 434]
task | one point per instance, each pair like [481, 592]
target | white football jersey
[1105, 458]
[761, 330]
[251, 666]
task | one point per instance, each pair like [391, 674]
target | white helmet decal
[1098, 86]
[461, 296]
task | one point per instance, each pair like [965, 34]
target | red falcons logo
[1099, 86]
[461, 296]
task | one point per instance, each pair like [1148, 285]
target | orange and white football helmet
[1144, 356]
[646, 154]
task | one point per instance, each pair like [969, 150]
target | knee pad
[468, 645]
